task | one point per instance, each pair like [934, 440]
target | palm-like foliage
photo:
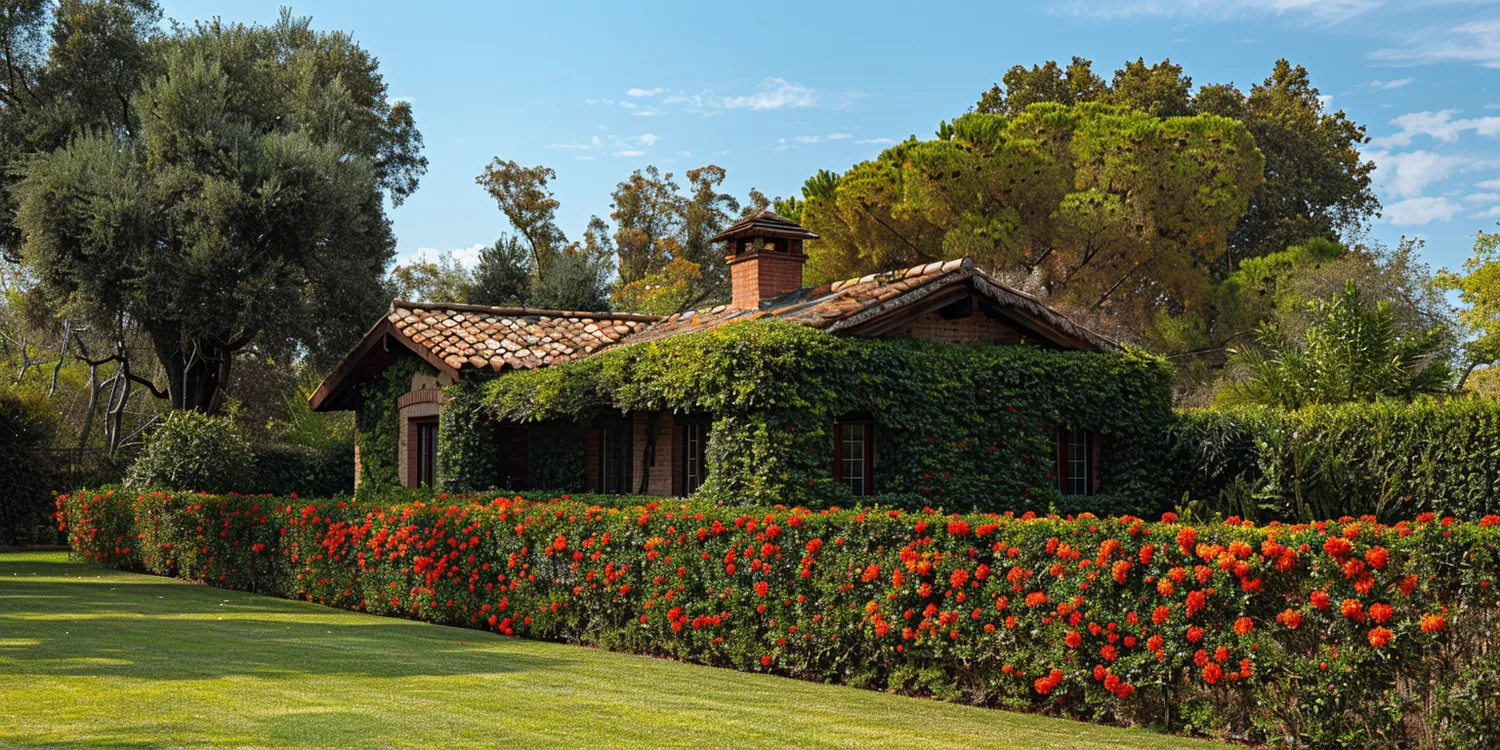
[1353, 351]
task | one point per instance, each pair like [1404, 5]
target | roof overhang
[381, 345]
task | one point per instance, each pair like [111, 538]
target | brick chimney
[765, 258]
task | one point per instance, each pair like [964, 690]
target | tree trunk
[197, 373]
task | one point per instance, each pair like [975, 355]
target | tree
[442, 279]
[1353, 351]
[245, 201]
[523, 196]
[503, 275]
[1478, 289]
[648, 213]
[705, 213]
[668, 290]
[1100, 208]
[1316, 182]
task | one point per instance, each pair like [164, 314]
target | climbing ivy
[377, 424]
[959, 425]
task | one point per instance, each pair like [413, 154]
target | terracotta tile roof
[844, 304]
[476, 337]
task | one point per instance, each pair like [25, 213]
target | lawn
[90, 656]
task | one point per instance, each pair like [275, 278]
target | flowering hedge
[1336, 634]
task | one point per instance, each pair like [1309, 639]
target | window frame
[620, 431]
[867, 459]
[1077, 447]
[694, 439]
[424, 430]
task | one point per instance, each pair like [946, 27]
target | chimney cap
[765, 224]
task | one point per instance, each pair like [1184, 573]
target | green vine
[960, 425]
[377, 424]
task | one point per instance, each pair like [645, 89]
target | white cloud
[630, 152]
[629, 105]
[1482, 197]
[1419, 211]
[1489, 184]
[648, 112]
[614, 142]
[649, 139]
[1476, 42]
[468, 257]
[596, 102]
[1309, 11]
[1487, 213]
[1405, 175]
[1325, 101]
[1388, 85]
[820, 138]
[774, 93]
[876, 141]
[675, 99]
[643, 92]
[1440, 126]
[839, 136]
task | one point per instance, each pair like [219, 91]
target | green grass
[90, 656]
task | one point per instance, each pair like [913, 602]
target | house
[444, 344]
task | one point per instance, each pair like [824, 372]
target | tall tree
[503, 275]
[1478, 289]
[648, 213]
[527, 202]
[1099, 207]
[1316, 185]
[705, 213]
[245, 202]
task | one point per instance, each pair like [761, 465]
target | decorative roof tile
[496, 338]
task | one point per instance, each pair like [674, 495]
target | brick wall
[660, 482]
[976, 328]
[762, 275]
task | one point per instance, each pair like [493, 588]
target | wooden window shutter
[1095, 440]
[412, 454]
[679, 455]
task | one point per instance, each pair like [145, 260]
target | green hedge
[1337, 634]
[285, 470]
[27, 426]
[962, 426]
[1394, 460]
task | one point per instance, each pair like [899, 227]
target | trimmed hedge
[286, 469]
[963, 426]
[1336, 634]
[1393, 460]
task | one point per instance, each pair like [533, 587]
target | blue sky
[773, 92]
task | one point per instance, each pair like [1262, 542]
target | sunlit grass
[90, 656]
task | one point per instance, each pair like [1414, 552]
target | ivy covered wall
[377, 424]
[958, 425]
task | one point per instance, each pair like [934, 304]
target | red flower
[1187, 538]
[765, 661]
[1290, 618]
[1195, 602]
[959, 578]
[871, 573]
[1212, 673]
[1377, 557]
[1319, 599]
[1351, 609]
[1380, 637]
[1169, 517]
[1380, 612]
[761, 588]
[1433, 623]
[1337, 546]
[1243, 626]
[1074, 639]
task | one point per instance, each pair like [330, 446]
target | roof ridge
[940, 266]
[502, 310]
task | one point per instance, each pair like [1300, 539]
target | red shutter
[1094, 441]
[412, 455]
[1062, 460]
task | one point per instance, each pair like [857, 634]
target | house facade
[420, 349]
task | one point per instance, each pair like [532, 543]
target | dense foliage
[959, 426]
[1390, 459]
[1334, 634]
[26, 426]
[190, 450]
[378, 427]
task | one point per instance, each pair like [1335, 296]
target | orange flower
[1195, 602]
[959, 577]
[1212, 673]
[1377, 557]
[1351, 609]
[1380, 612]
[1319, 599]
[1194, 634]
[1187, 538]
[1337, 546]
[1433, 623]
[1074, 639]
[1160, 615]
[1243, 626]
[871, 573]
[1036, 599]
[1290, 618]
[1380, 637]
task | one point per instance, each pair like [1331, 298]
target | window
[614, 457]
[510, 443]
[425, 470]
[694, 456]
[1077, 459]
[854, 456]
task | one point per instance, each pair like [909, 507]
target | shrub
[1390, 459]
[1335, 634]
[190, 450]
[26, 429]
[302, 470]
